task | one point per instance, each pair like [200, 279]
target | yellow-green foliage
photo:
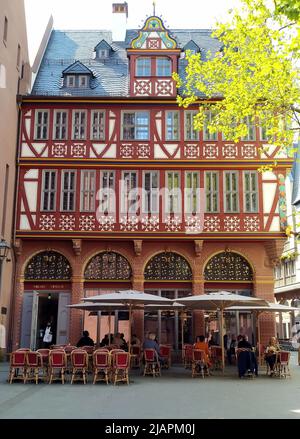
[255, 75]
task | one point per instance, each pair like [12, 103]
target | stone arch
[108, 265]
[48, 265]
[168, 266]
[228, 266]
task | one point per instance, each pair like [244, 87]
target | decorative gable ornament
[153, 36]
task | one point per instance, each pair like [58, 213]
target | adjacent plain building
[15, 76]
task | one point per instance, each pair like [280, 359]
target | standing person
[48, 336]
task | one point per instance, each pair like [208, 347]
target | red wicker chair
[283, 364]
[79, 361]
[165, 352]
[121, 367]
[198, 363]
[34, 363]
[17, 369]
[216, 357]
[135, 358]
[101, 364]
[187, 355]
[57, 362]
[152, 364]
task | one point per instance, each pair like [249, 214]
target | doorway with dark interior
[47, 313]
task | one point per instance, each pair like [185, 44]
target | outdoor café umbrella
[219, 302]
[129, 299]
[272, 307]
[96, 307]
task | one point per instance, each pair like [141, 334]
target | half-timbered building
[117, 190]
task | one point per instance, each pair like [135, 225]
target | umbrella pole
[182, 335]
[258, 339]
[109, 338]
[129, 334]
[222, 340]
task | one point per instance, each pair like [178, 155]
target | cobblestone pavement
[175, 395]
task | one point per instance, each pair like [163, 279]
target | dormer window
[143, 66]
[163, 66]
[103, 50]
[70, 81]
[103, 53]
[83, 81]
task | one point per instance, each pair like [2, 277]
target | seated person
[85, 340]
[124, 344]
[135, 341]
[104, 341]
[243, 343]
[151, 343]
[271, 354]
[202, 346]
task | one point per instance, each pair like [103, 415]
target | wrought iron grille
[48, 265]
[108, 266]
[228, 266]
[168, 266]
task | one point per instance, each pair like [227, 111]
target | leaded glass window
[168, 266]
[108, 266]
[228, 266]
[48, 265]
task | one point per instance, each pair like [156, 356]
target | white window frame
[190, 134]
[165, 69]
[49, 190]
[191, 199]
[69, 78]
[60, 126]
[102, 53]
[42, 125]
[134, 125]
[251, 192]
[129, 203]
[212, 192]
[97, 126]
[230, 192]
[143, 70]
[151, 196]
[207, 136]
[251, 128]
[107, 198]
[172, 136]
[173, 199]
[85, 77]
[80, 124]
[87, 176]
[68, 191]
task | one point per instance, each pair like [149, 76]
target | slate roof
[111, 75]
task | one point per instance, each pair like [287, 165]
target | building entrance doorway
[40, 308]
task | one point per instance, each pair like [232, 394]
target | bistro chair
[68, 349]
[17, 368]
[121, 367]
[283, 364]
[135, 356]
[45, 359]
[79, 362]
[57, 362]
[198, 363]
[187, 355]
[216, 357]
[34, 364]
[165, 353]
[152, 364]
[101, 363]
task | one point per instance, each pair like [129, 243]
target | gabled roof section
[77, 68]
[103, 45]
[153, 35]
[191, 45]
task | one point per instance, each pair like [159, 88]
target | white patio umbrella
[130, 299]
[272, 307]
[219, 302]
